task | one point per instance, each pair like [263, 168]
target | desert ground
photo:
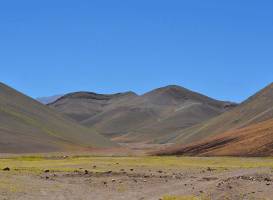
[85, 176]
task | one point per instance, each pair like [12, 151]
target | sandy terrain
[104, 178]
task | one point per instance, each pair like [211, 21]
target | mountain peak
[174, 94]
[168, 90]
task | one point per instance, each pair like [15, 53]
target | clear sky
[223, 49]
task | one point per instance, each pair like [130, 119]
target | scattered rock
[131, 170]
[267, 179]
[219, 184]
[86, 171]
[47, 171]
[6, 169]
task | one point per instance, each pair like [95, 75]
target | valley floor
[134, 178]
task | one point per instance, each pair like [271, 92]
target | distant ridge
[47, 100]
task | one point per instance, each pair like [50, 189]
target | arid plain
[58, 176]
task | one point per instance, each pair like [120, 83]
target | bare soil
[138, 184]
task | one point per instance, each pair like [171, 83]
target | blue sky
[223, 49]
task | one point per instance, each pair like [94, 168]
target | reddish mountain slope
[254, 140]
[255, 109]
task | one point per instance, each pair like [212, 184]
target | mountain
[29, 126]
[128, 117]
[255, 109]
[81, 106]
[253, 140]
[179, 108]
[47, 100]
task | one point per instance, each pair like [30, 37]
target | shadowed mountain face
[257, 108]
[127, 117]
[28, 126]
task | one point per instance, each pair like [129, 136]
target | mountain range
[128, 117]
[189, 122]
